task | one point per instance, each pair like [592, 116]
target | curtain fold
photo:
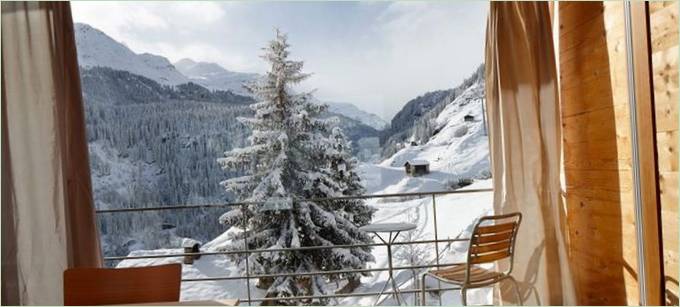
[525, 143]
[47, 201]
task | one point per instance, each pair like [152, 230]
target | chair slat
[493, 247]
[489, 257]
[496, 228]
[492, 238]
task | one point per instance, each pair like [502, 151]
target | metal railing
[247, 252]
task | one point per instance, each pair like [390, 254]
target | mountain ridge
[96, 48]
[214, 76]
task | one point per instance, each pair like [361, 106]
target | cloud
[377, 55]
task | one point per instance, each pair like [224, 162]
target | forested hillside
[157, 145]
[153, 145]
[416, 120]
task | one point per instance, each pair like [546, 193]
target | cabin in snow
[417, 167]
[469, 118]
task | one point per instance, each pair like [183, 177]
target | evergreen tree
[343, 170]
[290, 159]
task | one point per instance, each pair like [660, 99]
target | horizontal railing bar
[401, 194]
[342, 295]
[174, 207]
[235, 204]
[397, 268]
[302, 248]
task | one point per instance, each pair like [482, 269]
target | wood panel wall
[597, 153]
[663, 24]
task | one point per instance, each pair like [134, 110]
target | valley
[155, 131]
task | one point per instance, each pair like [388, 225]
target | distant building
[469, 118]
[414, 143]
[417, 167]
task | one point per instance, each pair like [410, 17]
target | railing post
[436, 241]
[245, 246]
[436, 235]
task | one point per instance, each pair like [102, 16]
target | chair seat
[456, 274]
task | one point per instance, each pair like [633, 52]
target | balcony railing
[435, 263]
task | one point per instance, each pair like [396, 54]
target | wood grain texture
[663, 20]
[487, 258]
[505, 227]
[597, 153]
[96, 286]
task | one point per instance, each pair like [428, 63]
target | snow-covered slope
[95, 48]
[460, 211]
[459, 149]
[214, 76]
[352, 111]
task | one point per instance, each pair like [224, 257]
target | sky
[375, 55]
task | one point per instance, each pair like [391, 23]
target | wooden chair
[488, 244]
[96, 286]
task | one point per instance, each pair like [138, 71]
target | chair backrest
[493, 239]
[97, 286]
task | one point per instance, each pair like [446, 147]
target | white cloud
[375, 55]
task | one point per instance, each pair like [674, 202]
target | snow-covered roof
[417, 162]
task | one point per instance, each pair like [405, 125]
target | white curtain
[48, 218]
[525, 143]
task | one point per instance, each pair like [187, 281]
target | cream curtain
[47, 210]
[525, 141]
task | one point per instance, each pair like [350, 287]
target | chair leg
[422, 290]
[463, 295]
[516, 286]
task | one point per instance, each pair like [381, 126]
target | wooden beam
[646, 147]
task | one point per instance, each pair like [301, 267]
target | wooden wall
[597, 147]
[597, 153]
[663, 21]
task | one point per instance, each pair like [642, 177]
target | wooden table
[191, 303]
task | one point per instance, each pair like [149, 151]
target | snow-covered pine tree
[343, 170]
[289, 160]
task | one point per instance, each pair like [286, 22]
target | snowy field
[455, 213]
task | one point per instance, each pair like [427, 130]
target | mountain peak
[214, 76]
[354, 112]
[95, 48]
[192, 68]
[185, 62]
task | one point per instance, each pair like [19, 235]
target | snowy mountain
[95, 48]
[451, 136]
[152, 144]
[154, 134]
[416, 121]
[352, 111]
[457, 150]
[155, 145]
[214, 76]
